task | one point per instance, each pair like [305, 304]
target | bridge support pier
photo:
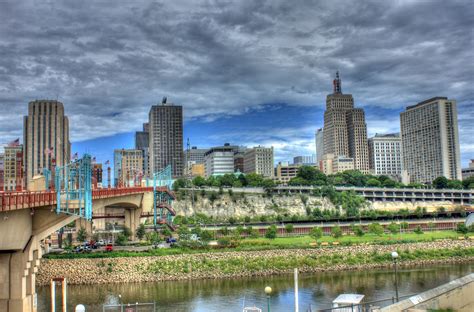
[132, 220]
[17, 276]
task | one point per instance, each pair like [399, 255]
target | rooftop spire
[337, 84]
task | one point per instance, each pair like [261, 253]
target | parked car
[171, 240]
[101, 242]
[109, 247]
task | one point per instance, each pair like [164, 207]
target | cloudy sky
[246, 72]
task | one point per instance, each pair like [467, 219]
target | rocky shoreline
[248, 263]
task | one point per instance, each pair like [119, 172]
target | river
[316, 289]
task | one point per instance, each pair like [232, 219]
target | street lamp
[394, 258]
[268, 291]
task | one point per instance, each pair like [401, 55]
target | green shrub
[359, 231]
[418, 230]
[316, 233]
[376, 228]
[289, 228]
[336, 231]
[462, 228]
[393, 228]
[271, 232]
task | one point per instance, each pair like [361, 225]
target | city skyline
[237, 82]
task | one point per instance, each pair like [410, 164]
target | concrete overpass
[27, 218]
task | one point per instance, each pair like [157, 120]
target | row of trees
[309, 175]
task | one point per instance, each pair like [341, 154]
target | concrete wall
[456, 295]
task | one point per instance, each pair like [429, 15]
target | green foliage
[418, 230]
[404, 225]
[336, 231]
[308, 175]
[247, 219]
[199, 181]
[224, 231]
[394, 228]
[231, 220]
[153, 237]
[179, 183]
[462, 228]
[166, 232]
[289, 228]
[316, 233]
[206, 236]
[455, 184]
[271, 232]
[212, 196]
[358, 231]
[127, 232]
[121, 240]
[81, 235]
[440, 183]
[376, 228]
[183, 232]
[141, 231]
[373, 183]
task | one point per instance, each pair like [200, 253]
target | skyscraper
[45, 137]
[430, 140]
[166, 138]
[345, 130]
[13, 167]
[128, 164]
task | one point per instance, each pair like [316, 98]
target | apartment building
[385, 154]
[259, 160]
[430, 140]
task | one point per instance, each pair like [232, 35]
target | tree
[199, 181]
[289, 228]
[393, 228]
[440, 182]
[231, 220]
[316, 233]
[376, 228]
[183, 232]
[336, 231]
[455, 184]
[81, 235]
[179, 183]
[247, 219]
[121, 239]
[141, 231]
[166, 232]
[127, 232]
[228, 179]
[271, 232]
[374, 183]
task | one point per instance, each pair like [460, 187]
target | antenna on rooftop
[163, 101]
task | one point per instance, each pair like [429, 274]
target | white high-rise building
[220, 160]
[385, 154]
[430, 140]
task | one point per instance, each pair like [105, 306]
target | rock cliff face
[254, 204]
[241, 205]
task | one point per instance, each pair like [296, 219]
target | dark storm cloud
[219, 58]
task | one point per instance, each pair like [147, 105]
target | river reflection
[316, 289]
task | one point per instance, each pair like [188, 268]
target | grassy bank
[242, 265]
[255, 244]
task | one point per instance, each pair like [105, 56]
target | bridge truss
[73, 183]
[163, 211]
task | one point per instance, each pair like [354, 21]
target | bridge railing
[24, 200]
[21, 200]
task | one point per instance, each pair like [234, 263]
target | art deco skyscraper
[45, 137]
[345, 130]
[166, 138]
[430, 140]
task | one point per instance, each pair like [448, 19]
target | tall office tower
[142, 141]
[385, 154]
[345, 130]
[13, 167]
[319, 145]
[45, 137]
[128, 164]
[304, 160]
[219, 160]
[166, 138]
[430, 140]
[259, 160]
